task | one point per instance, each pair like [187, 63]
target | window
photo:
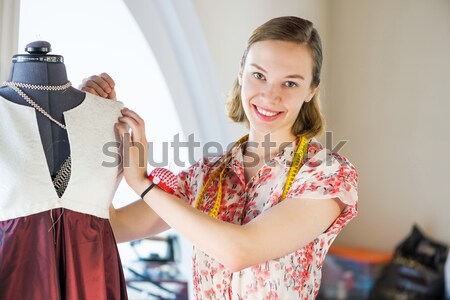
[102, 36]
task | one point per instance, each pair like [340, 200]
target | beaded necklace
[16, 86]
[221, 171]
[61, 179]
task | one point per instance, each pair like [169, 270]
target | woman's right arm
[135, 221]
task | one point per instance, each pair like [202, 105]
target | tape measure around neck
[296, 164]
[221, 171]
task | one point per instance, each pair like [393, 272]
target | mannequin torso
[55, 233]
[38, 68]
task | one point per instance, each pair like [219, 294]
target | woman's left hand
[135, 149]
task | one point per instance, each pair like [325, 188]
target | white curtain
[9, 33]
[173, 31]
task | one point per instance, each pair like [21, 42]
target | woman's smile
[266, 114]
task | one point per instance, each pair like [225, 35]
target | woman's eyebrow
[289, 76]
[258, 67]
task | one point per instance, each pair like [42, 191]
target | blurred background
[385, 88]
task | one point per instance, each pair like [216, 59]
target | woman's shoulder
[318, 155]
[325, 174]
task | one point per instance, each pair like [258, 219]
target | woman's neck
[266, 146]
[261, 148]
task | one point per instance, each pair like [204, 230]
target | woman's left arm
[280, 230]
[283, 229]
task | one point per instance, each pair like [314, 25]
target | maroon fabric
[76, 259]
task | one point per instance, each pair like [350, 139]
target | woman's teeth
[265, 112]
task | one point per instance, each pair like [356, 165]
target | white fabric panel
[25, 183]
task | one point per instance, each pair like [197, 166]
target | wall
[385, 89]
[389, 93]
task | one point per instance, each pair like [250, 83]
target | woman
[260, 221]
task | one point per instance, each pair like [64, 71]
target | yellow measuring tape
[297, 162]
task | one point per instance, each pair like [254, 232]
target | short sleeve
[326, 175]
[185, 178]
[329, 175]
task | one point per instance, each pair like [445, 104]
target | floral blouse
[294, 276]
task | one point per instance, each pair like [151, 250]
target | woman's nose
[271, 93]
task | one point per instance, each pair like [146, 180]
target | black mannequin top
[40, 68]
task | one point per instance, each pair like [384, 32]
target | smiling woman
[285, 208]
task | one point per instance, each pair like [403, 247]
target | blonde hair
[309, 121]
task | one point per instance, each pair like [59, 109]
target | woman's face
[276, 80]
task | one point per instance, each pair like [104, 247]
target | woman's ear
[311, 94]
[241, 71]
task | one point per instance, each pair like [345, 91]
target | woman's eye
[290, 84]
[258, 75]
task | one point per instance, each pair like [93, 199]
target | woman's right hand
[131, 128]
[101, 85]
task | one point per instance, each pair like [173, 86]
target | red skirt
[76, 258]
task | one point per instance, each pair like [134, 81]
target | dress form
[40, 68]
[56, 242]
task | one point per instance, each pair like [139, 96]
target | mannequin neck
[40, 73]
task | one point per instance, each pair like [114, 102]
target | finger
[134, 115]
[108, 79]
[112, 95]
[94, 86]
[111, 83]
[136, 129]
[104, 84]
[89, 90]
[90, 78]
[122, 128]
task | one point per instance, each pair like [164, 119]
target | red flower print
[296, 275]
[274, 198]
